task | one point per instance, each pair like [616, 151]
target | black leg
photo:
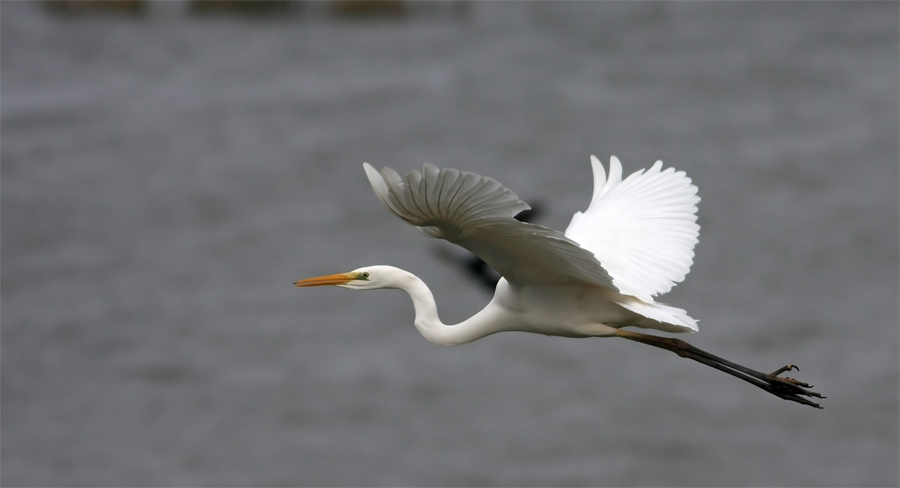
[786, 388]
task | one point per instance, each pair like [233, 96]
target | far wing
[643, 229]
[477, 213]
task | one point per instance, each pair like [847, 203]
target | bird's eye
[364, 275]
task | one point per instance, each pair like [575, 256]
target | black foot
[789, 388]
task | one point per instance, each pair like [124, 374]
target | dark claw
[785, 368]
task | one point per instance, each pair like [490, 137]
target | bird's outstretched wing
[643, 228]
[477, 213]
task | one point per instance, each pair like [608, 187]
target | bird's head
[368, 278]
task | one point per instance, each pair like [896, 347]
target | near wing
[643, 229]
[477, 213]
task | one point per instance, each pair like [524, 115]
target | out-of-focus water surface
[166, 177]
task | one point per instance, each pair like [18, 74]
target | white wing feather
[477, 213]
[643, 229]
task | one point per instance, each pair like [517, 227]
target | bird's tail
[661, 317]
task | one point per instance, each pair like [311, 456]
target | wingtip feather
[377, 181]
[599, 177]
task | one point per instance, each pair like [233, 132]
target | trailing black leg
[784, 387]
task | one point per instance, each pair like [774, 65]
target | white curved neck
[484, 323]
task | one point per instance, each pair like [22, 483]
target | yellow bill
[335, 279]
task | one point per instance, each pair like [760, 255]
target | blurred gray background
[167, 174]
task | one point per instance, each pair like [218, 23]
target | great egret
[635, 240]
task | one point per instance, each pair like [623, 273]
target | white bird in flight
[634, 241]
